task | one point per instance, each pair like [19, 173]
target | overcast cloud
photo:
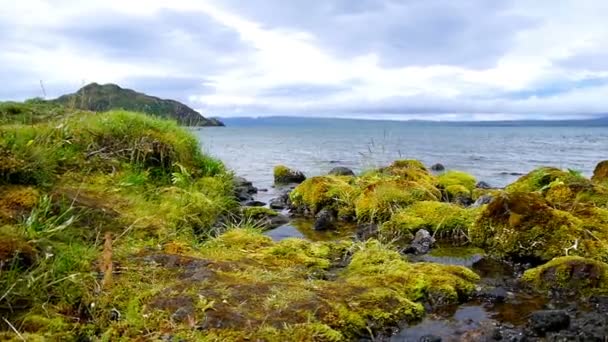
[398, 59]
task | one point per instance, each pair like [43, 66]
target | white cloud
[267, 54]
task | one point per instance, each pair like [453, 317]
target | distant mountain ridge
[101, 98]
[298, 120]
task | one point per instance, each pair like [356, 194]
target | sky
[385, 59]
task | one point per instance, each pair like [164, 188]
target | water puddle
[304, 229]
[448, 255]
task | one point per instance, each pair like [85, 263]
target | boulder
[285, 175]
[437, 167]
[325, 220]
[544, 321]
[281, 202]
[422, 243]
[366, 231]
[341, 171]
[244, 189]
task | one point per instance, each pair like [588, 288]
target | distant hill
[296, 120]
[101, 98]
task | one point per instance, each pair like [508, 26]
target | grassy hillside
[101, 98]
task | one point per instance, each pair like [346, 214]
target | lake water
[495, 154]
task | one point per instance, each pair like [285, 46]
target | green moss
[541, 178]
[453, 178]
[316, 193]
[569, 273]
[257, 213]
[380, 200]
[524, 225]
[242, 285]
[442, 219]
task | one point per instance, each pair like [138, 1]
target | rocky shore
[537, 245]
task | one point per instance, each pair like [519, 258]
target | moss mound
[444, 220]
[379, 200]
[335, 192]
[569, 274]
[523, 225]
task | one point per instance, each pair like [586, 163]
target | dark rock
[366, 231]
[506, 173]
[244, 189]
[544, 321]
[263, 190]
[325, 220]
[254, 203]
[422, 243]
[485, 199]
[430, 338]
[493, 294]
[281, 202]
[341, 171]
[438, 167]
[483, 185]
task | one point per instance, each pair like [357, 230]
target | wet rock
[281, 202]
[485, 199]
[422, 243]
[244, 189]
[341, 171]
[285, 175]
[325, 220]
[366, 231]
[483, 185]
[542, 322]
[277, 221]
[493, 294]
[437, 167]
[254, 203]
[430, 338]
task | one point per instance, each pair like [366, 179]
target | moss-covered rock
[285, 175]
[571, 274]
[335, 192]
[442, 219]
[524, 225]
[600, 174]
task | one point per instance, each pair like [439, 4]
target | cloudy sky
[397, 59]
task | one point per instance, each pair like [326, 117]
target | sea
[496, 153]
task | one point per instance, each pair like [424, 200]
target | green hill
[101, 98]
